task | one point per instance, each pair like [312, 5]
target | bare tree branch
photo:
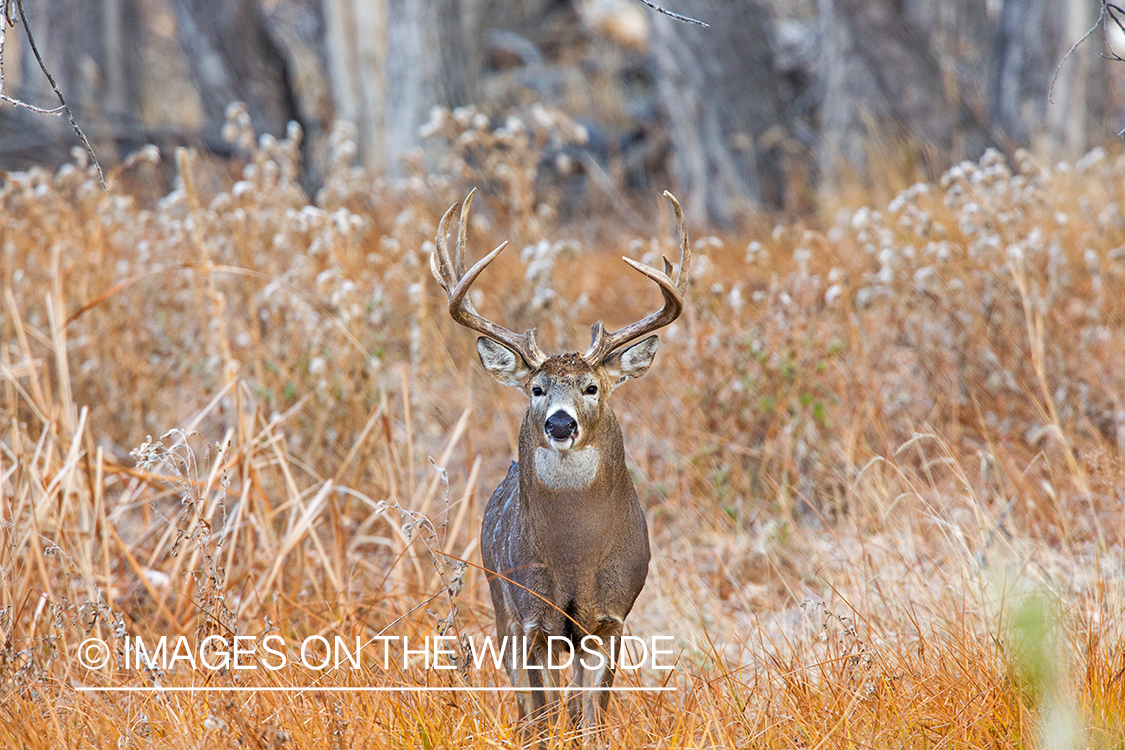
[670, 14]
[5, 22]
[1099, 23]
[32, 107]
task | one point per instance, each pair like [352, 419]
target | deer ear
[507, 367]
[632, 362]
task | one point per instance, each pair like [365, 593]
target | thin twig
[54, 86]
[4, 23]
[32, 107]
[670, 14]
[1069, 52]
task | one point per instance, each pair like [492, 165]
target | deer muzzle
[561, 426]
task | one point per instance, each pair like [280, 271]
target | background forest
[772, 107]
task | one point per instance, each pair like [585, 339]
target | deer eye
[591, 389]
[536, 391]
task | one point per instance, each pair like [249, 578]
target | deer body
[564, 538]
[582, 548]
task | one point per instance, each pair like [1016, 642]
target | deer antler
[450, 273]
[602, 343]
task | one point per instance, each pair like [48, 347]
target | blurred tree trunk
[1032, 37]
[1021, 78]
[434, 58]
[297, 29]
[1076, 120]
[960, 34]
[392, 61]
[356, 48]
[884, 87]
[233, 58]
[718, 90]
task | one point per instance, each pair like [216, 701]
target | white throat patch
[573, 470]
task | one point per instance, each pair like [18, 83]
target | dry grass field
[882, 454]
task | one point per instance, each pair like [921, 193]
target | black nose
[561, 425]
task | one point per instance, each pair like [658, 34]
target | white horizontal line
[383, 689]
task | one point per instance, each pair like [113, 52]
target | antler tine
[462, 228]
[440, 266]
[450, 273]
[603, 343]
[685, 250]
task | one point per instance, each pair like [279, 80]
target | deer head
[568, 392]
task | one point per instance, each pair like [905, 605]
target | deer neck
[577, 505]
[575, 470]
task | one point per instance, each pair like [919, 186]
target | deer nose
[561, 425]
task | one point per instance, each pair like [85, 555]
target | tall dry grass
[881, 455]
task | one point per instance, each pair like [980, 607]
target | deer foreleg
[595, 671]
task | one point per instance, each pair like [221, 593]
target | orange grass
[881, 455]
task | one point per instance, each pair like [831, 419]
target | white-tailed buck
[564, 538]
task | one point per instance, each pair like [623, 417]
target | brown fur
[563, 534]
[575, 560]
